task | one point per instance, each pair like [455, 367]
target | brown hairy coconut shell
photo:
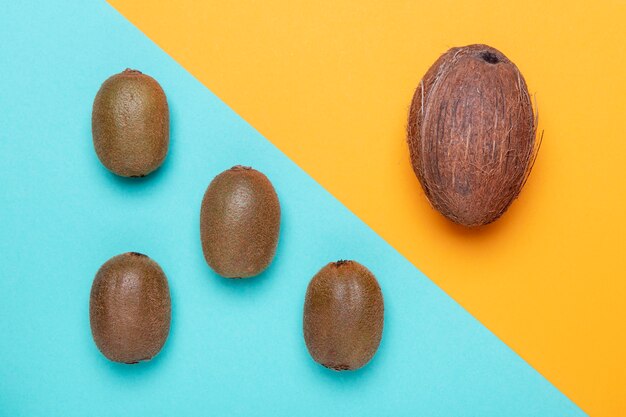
[343, 316]
[471, 134]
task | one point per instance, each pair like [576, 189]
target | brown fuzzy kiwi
[343, 316]
[239, 223]
[471, 134]
[130, 124]
[129, 308]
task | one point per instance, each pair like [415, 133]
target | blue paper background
[235, 347]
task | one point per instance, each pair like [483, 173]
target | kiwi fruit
[239, 223]
[130, 308]
[343, 316]
[130, 124]
[471, 134]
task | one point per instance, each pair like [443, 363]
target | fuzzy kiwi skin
[239, 223]
[343, 316]
[471, 134]
[130, 308]
[130, 124]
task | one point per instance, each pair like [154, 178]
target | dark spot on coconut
[490, 57]
[463, 188]
[136, 254]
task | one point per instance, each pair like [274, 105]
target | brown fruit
[130, 124]
[343, 316]
[471, 134]
[239, 223]
[129, 308]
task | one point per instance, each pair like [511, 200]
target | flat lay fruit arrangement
[471, 136]
[328, 208]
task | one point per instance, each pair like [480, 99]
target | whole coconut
[471, 134]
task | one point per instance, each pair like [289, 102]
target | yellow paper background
[329, 82]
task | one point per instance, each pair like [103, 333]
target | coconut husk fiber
[471, 134]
